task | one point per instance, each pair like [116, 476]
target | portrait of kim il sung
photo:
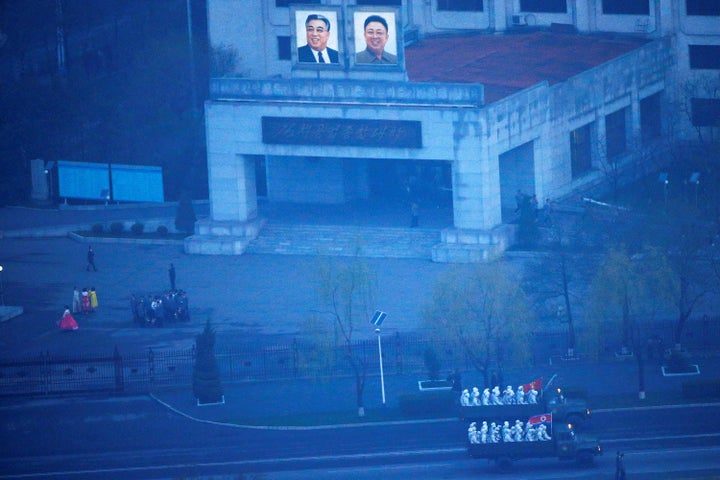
[316, 37]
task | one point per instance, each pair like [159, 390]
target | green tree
[207, 387]
[483, 312]
[626, 290]
[318, 358]
[347, 293]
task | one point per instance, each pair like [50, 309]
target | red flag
[542, 418]
[535, 384]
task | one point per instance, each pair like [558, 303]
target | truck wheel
[504, 464]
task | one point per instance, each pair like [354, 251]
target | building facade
[443, 118]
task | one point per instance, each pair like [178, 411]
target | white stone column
[233, 221]
[476, 188]
[478, 234]
[231, 181]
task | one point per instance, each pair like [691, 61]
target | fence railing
[141, 372]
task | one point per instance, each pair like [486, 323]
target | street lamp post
[663, 179]
[377, 320]
[382, 376]
[2, 288]
[695, 179]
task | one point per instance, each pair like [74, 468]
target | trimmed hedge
[428, 403]
[137, 228]
[708, 388]
[162, 230]
[117, 227]
[97, 228]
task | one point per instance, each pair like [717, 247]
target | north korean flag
[542, 418]
[534, 385]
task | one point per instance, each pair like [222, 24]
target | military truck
[566, 410]
[564, 444]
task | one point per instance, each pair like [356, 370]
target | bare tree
[549, 281]
[347, 290]
[690, 257]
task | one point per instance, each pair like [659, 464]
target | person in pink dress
[67, 322]
[85, 300]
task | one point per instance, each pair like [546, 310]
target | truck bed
[512, 450]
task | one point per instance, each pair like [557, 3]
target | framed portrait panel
[377, 38]
[317, 37]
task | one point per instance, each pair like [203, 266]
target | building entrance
[426, 182]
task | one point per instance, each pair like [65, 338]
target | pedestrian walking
[619, 466]
[67, 322]
[414, 215]
[456, 380]
[91, 259]
[171, 274]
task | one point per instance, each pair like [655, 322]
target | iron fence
[141, 372]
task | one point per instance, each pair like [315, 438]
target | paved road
[139, 435]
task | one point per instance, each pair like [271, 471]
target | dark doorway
[427, 182]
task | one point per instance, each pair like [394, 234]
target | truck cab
[568, 410]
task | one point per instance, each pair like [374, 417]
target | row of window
[615, 141]
[702, 57]
[705, 113]
[620, 7]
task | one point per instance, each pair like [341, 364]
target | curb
[297, 428]
[10, 312]
[134, 241]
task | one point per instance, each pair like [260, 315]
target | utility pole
[60, 38]
[193, 88]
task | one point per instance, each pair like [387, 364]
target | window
[544, 6]
[283, 43]
[650, 118]
[580, 153]
[615, 134]
[286, 3]
[460, 5]
[626, 7]
[379, 2]
[704, 56]
[705, 112]
[703, 7]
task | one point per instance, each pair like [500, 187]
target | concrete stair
[343, 240]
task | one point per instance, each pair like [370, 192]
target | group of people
[85, 301]
[155, 310]
[496, 397]
[518, 432]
